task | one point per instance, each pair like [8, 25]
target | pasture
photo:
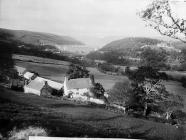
[68, 119]
[106, 80]
[176, 88]
[55, 70]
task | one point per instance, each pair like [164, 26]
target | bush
[57, 93]
[182, 67]
[23, 134]
[107, 67]
[120, 93]
[178, 114]
[183, 81]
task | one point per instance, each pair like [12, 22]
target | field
[55, 70]
[69, 119]
[65, 118]
[176, 74]
[177, 89]
[106, 80]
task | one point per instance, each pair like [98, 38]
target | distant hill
[179, 45]
[37, 38]
[129, 43]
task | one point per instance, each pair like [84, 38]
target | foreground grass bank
[69, 119]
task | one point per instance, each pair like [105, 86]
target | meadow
[55, 70]
[68, 119]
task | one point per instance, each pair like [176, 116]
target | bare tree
[161, 17]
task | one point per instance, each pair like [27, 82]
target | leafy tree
[121, 93]
[183, 81]
[107, 67]
[163, 19]
[154, 58]
[183, 60]
[77, 71]
[98, 90]
[151, 93]
[6, 63]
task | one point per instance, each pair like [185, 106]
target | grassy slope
[34, 38]
[177, 89]
[64, 118]
[106, 80]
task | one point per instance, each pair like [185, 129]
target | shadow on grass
[75, 105]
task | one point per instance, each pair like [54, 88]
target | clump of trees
[7, 70]
[98, 90]
[107, 67]
[156, 59]
[121, 92]
[112, 57]
[151, 93]
[145, 93]
[183, 60]
[183, 81]
[77, 71]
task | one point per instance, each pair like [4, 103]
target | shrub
[120, 93]
[58, 93]
[183, 81]
[182, 67]
[107, 67]
[23, 134]
[178, 114]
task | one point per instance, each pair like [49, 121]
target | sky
[93, 22]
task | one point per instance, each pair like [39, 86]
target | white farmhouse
[78, 87]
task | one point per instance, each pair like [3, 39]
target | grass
[56, 69]
[64, 118]
[176, 88]
[177, 75]
[106, 80]
[69, 119]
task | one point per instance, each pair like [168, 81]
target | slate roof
[35, 85]
[51, 83]
[28, 75]
[79, 83]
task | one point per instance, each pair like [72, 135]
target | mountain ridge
[37, 38]
[136, 43]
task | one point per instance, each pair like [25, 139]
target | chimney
[46, 83]
[92, 79]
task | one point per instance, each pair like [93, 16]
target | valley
[69, 118]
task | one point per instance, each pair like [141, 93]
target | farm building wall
[31, 90]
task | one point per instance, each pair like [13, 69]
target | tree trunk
[145, 110]
[168, 114]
